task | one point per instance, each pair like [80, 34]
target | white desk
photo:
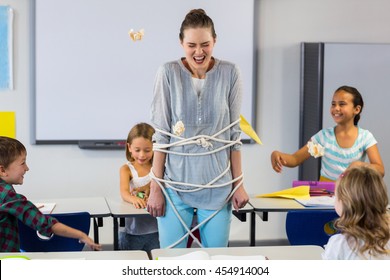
[271, 252]
[120, 209]
[95, 206]
[241, 215]
[264, 205]
[87, 255]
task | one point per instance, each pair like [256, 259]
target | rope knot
[204, 143]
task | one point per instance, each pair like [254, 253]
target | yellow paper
[7, 124]
[301, 192]
[248, 130]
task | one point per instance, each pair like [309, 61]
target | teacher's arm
[156, 200]
[240, 198]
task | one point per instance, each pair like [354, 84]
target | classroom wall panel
[311, 97]
[365, 66]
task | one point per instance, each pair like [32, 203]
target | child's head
[142, 132]
[361, 202]
[12, 160]
[357, 100]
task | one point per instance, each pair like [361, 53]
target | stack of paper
[318, 201]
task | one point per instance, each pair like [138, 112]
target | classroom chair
[310, 227]
[31, 242]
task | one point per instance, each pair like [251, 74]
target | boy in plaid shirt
[15, 206]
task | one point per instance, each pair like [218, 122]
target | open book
[46, 207]
[202, 255]
[318, 201]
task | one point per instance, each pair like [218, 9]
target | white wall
[67, 171]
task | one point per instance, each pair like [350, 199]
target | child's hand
[145, 189]
[147, 193]
[277, 161]
[139, 203]
[91, 244]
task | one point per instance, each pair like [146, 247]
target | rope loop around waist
[204, 141]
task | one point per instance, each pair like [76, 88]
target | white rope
[205, 142]
[198, 187]
[201, 140]
[196, 154]
[190, 231]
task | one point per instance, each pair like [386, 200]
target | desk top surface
[248, 208]
[280, 205]
[95, 206]
[82, 255]
[271, 252]
[120, 208]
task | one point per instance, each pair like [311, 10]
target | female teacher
[197, 159]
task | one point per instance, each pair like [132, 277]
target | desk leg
[97, 222]
[239, 215]
[263, 216]
[116, 228]
[252, 237]
[117, 224]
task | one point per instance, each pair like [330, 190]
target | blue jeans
[214, 233]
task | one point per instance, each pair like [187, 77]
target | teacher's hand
[240, 198]
[156, 201]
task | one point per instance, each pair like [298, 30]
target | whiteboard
[92, 82]
[366, 67]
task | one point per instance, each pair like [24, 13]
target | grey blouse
[216, 107]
